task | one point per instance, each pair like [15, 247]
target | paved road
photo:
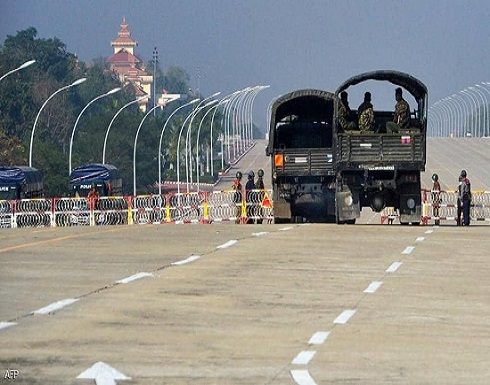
[226, 304]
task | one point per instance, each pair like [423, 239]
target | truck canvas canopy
[106, 178]
[17, 182]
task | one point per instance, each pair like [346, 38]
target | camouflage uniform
[402, 114]
[345, 117]
[366, 117]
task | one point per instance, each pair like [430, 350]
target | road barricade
[33, 213]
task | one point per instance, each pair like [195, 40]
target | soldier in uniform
[464, 196]
[259, 185]
[401, 118]
[249, 187]
[436, 201]
[346, 117]
[237, 197]
[366, 114]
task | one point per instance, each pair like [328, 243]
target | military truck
[300, 145]
[378, 169]
[106, 179]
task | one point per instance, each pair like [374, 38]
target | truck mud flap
[348, 206]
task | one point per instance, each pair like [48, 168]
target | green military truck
[378, 169]
[301, 148]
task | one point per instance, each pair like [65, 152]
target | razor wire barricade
[443, 206]
[176, 208]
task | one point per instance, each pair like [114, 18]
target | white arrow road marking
[5, 325]
[318, 338]
[56, 306]
[227, 244]
[344, 317]
[408, 250]
[375, 285]
[303, 357]
[192, 258]
[134, 277]
[103, 374]
[302, 377]
[393, 267]
[260, 234]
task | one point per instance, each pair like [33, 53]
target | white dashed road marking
[56, 306]
[420, 239]
[318, 338]
[285, 229]
[429, 231]
[303, 357]
[192, 258]
[393, 267]
[5, 325]
[227, 244]
[134, 277]
[344, 317]
[260, 234]
[408, 250]
[375, 285]
[302, 377]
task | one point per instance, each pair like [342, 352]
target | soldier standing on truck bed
[401, 119]
[346, 116]
[366, 114]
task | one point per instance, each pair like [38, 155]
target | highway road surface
[261, 304]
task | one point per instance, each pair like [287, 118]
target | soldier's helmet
[251, 174]
[260, 173]
[463, 173]
[238, 174]
[435, 177]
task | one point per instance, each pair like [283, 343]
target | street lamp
[485, 106]
[114, 90]
[26, 64]
[160, 144]
[114, 118]
[223, 101]
[474, 101]
[75, 83]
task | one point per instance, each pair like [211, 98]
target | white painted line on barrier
[429, 231]
[192, 258]
[227, 244]
[303, 357]
[134, 277]
[56, 306]
[408, 250]
[375, 285]
[344, 317]
[393, 267]
[302, 377]
[318, 338]
[420, 239]
[260, 234]
[285, 229]
[5, 325]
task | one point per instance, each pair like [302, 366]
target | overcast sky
[287, 44]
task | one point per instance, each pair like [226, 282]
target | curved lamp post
[483, 98]
[75, 83]
[160, 144]
[114, 118]
[114, 90]
[475, 103]
[226, 99]
[26, 64]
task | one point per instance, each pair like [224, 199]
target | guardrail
[194, 207]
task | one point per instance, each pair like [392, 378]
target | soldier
[436, 201]
[249, 187]
[366, 114]
[237, 197]
[346, 117]
[401, 118]
[260, 186]
[464, 196]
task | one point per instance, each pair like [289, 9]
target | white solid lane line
[5, 325]
[192, 258]
[227, 244]
[375, 285]
[303, 357]
[134, 277]
[344, 317]
[56, 306]
[393, 267]
[302, 377]
[318, 338]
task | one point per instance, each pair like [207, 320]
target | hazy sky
[288, 44]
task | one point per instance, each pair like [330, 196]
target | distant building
[130, 68]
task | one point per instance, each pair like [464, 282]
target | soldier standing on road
[249, 187]
[436, 200]
[260, 186]
[464, 197]
[401, 118]
[237, 197]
